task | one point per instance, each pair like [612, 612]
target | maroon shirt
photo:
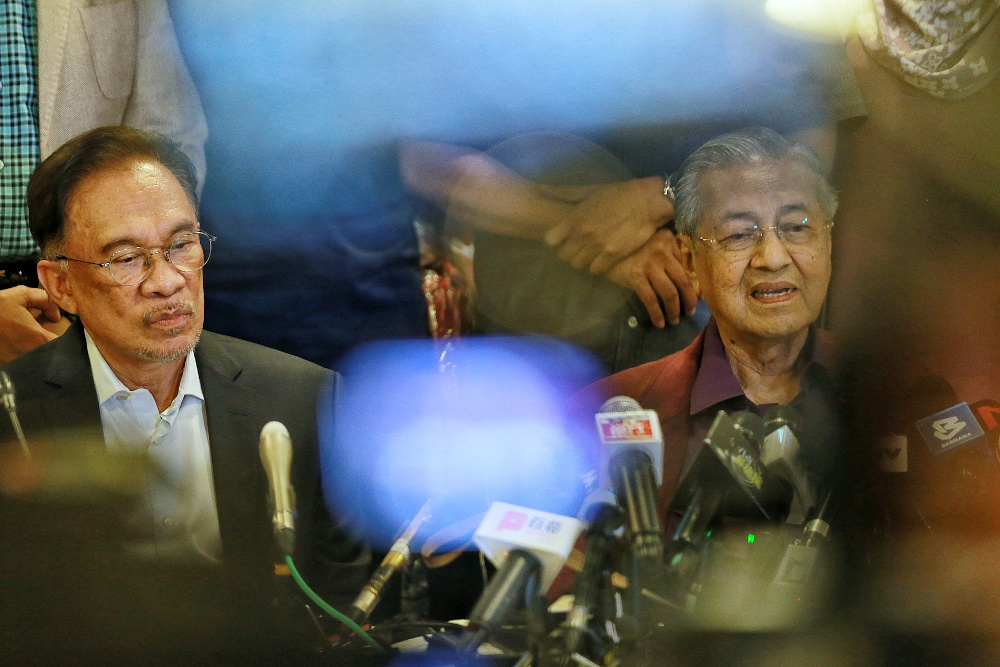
[689, 387]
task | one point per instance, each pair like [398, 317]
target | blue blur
[463, 425]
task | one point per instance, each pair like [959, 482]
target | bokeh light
[461, 424]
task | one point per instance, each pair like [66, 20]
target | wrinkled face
[772, 290]
[136, 204]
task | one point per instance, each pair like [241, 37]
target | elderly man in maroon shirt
[753, 218]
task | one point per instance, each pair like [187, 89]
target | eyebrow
[117, 244]
[797, 207]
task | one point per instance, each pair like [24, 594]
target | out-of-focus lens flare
[462, 425]
[820, 18]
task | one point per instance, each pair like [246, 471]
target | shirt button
[168, 521]
[1, 164]
[633, 322]
[122, 396]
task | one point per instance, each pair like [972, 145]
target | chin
[167, 353]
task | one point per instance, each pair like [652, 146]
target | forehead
[761, 190]
[137, 202]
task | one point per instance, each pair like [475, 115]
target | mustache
[172, 308]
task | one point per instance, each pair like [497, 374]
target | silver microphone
[7, 392]
[276, 455]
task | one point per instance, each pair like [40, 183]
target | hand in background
[28, 318]
[608, 222]
[656, 274]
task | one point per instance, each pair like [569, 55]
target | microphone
[549, 537]
[528, 547]
[779, 452]
[799, 564]
[7, 393]
[518, 575]
[987, 413]
[632, 461]
[605, 519]
[727, 478]
[622, 425]
[395, 561]
[276, 455]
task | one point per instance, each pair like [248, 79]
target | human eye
[128, 257]
[798, 230]
[184, 243]
[738, 238]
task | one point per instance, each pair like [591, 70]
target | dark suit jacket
[245, 386]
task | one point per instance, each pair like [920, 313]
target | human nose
[163, 278]
[770, 251]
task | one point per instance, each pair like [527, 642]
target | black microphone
[7, 392]
[727, 478]
[987, 413]
[603, 520]
[395, 561]
[276, 455]
[516, 580]
[632, 446]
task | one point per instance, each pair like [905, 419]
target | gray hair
[740, 148]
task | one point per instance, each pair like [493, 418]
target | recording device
[779, 452]
[395, 561]
[798, 565]
[632, 464]
[7, 393]
[276, 455]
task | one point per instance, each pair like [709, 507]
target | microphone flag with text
[528, 547]
[632, 465]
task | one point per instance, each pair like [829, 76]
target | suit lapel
[72, 404]
[236, 468]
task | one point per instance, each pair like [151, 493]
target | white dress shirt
[176, 518]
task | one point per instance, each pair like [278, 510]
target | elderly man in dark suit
[114, 211]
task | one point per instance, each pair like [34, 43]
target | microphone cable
[312, 595]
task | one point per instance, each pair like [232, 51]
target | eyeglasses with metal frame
[793, 235]
[132, 265]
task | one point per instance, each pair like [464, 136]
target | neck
[161, 379]
[768, 369]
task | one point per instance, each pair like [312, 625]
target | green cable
[330, 610]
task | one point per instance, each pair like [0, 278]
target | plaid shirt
[18, 123]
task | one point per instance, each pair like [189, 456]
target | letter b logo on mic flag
[951, 428]
[948, 428]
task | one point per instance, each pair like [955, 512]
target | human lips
[773, 292]
[169, 316]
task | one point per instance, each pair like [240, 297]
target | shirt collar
[716, 381]
[108, 384]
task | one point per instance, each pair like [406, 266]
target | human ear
[686, 245]
[55, 279]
